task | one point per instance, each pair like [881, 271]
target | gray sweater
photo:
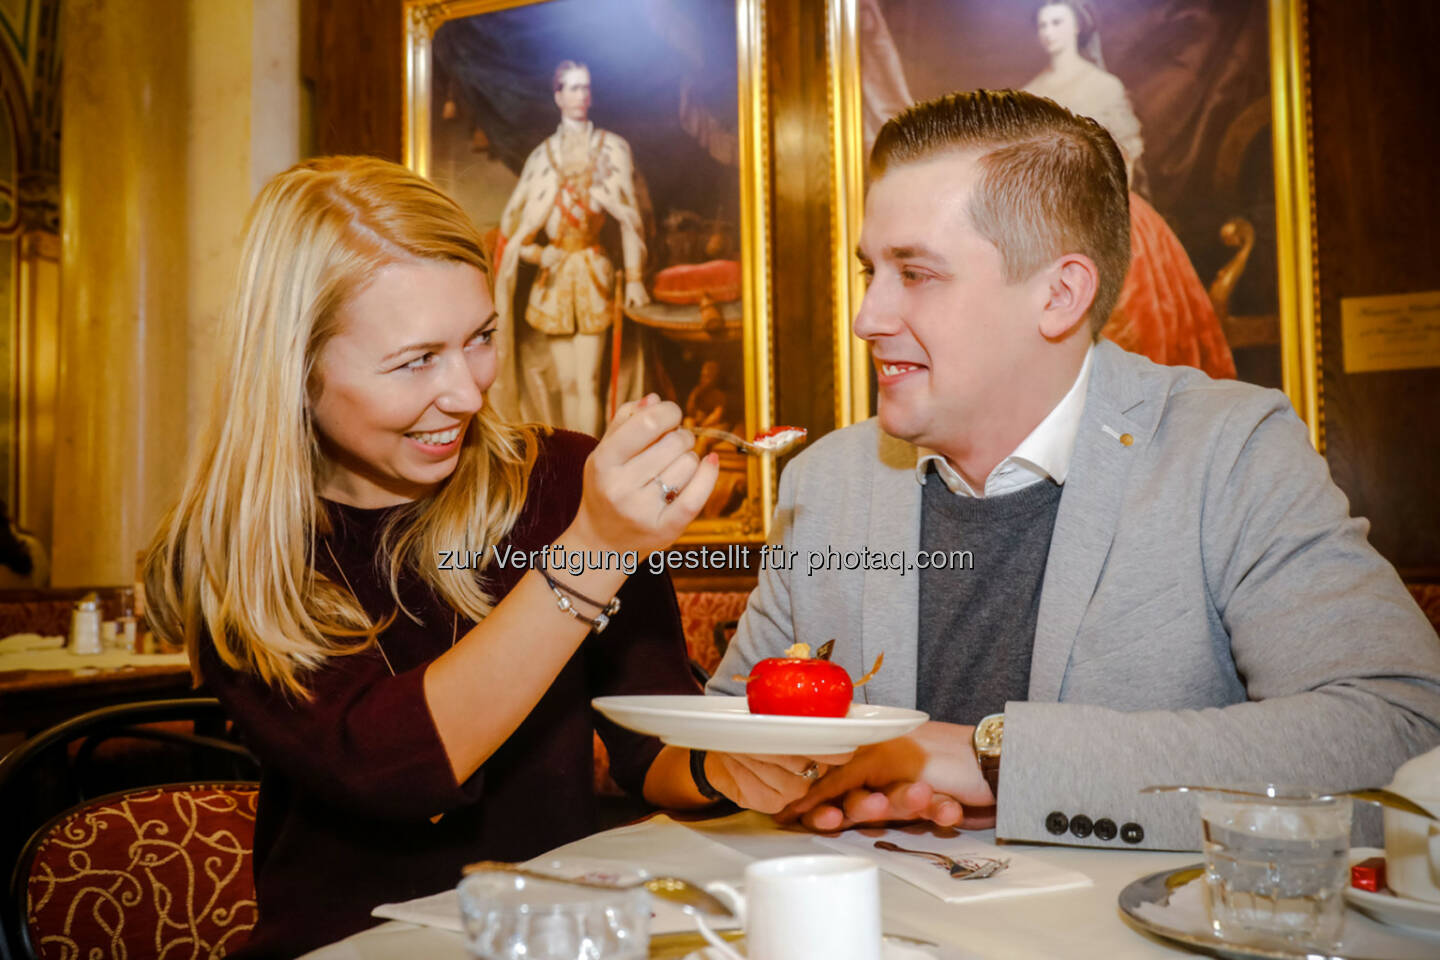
[977, 615]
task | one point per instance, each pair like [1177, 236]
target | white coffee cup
[798, 908]
[1412, 842]
[1412, 855]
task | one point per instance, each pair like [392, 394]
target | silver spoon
[1385, 798]
[977, 868]
[761, 449]
[678, 891]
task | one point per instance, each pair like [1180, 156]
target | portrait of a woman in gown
[1164, 311]
[913, 49]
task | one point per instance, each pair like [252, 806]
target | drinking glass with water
[508, 917]
[1276, 865]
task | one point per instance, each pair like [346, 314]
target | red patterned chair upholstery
[178, 859]
[706, 617]
[157, 872]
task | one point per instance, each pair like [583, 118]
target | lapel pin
[1124, 438]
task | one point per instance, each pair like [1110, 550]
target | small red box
[1369, 874]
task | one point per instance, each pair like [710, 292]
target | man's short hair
[565, 66]
[1050, 182]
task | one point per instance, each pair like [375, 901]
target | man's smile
[893, 371]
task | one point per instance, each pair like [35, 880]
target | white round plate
[725, 724]
[1415, 916]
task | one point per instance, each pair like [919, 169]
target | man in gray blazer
[1139, 574]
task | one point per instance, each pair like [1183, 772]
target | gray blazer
[1210, 611]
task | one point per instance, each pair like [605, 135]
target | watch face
[989, 732]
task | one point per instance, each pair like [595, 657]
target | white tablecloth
[29, 651]
[1080, 924]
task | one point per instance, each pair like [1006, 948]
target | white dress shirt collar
[1045, 453]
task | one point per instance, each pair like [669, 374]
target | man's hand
[902, 801]
[550, 257]
[764, 783]
[635, 295]
[931, 774]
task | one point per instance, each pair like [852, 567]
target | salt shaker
[85, 625]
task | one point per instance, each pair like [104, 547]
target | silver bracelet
[610, 609]
[601, 620]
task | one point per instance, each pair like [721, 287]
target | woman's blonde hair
[235, 558]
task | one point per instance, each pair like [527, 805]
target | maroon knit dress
[354, 778]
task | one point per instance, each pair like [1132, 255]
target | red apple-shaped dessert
[800, 685]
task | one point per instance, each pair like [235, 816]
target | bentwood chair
[131, 830]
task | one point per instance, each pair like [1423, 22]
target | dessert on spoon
[772, 441]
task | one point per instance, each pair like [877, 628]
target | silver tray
[1157, 888]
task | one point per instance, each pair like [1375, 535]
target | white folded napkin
[21, 642]
[673, 850]
[441, 910]
[1024, 875]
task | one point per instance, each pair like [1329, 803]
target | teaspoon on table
[678, 891]
[1385, 798]
[974, 868]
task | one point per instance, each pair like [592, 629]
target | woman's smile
[439, 442]
[401, 381]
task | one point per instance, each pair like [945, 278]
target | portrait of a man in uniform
[570, 185]
[604, 150]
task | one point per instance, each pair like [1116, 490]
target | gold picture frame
[749, 522]
[1297, 281]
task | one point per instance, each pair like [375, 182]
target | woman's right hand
[643, 482]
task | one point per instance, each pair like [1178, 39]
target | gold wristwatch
[988, 734]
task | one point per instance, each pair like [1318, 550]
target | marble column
[121, 410]
[244, 129]
[175, 113]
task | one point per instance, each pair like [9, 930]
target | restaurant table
[1078, 924]
[33, 699]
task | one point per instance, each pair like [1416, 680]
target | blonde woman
[351, 564]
